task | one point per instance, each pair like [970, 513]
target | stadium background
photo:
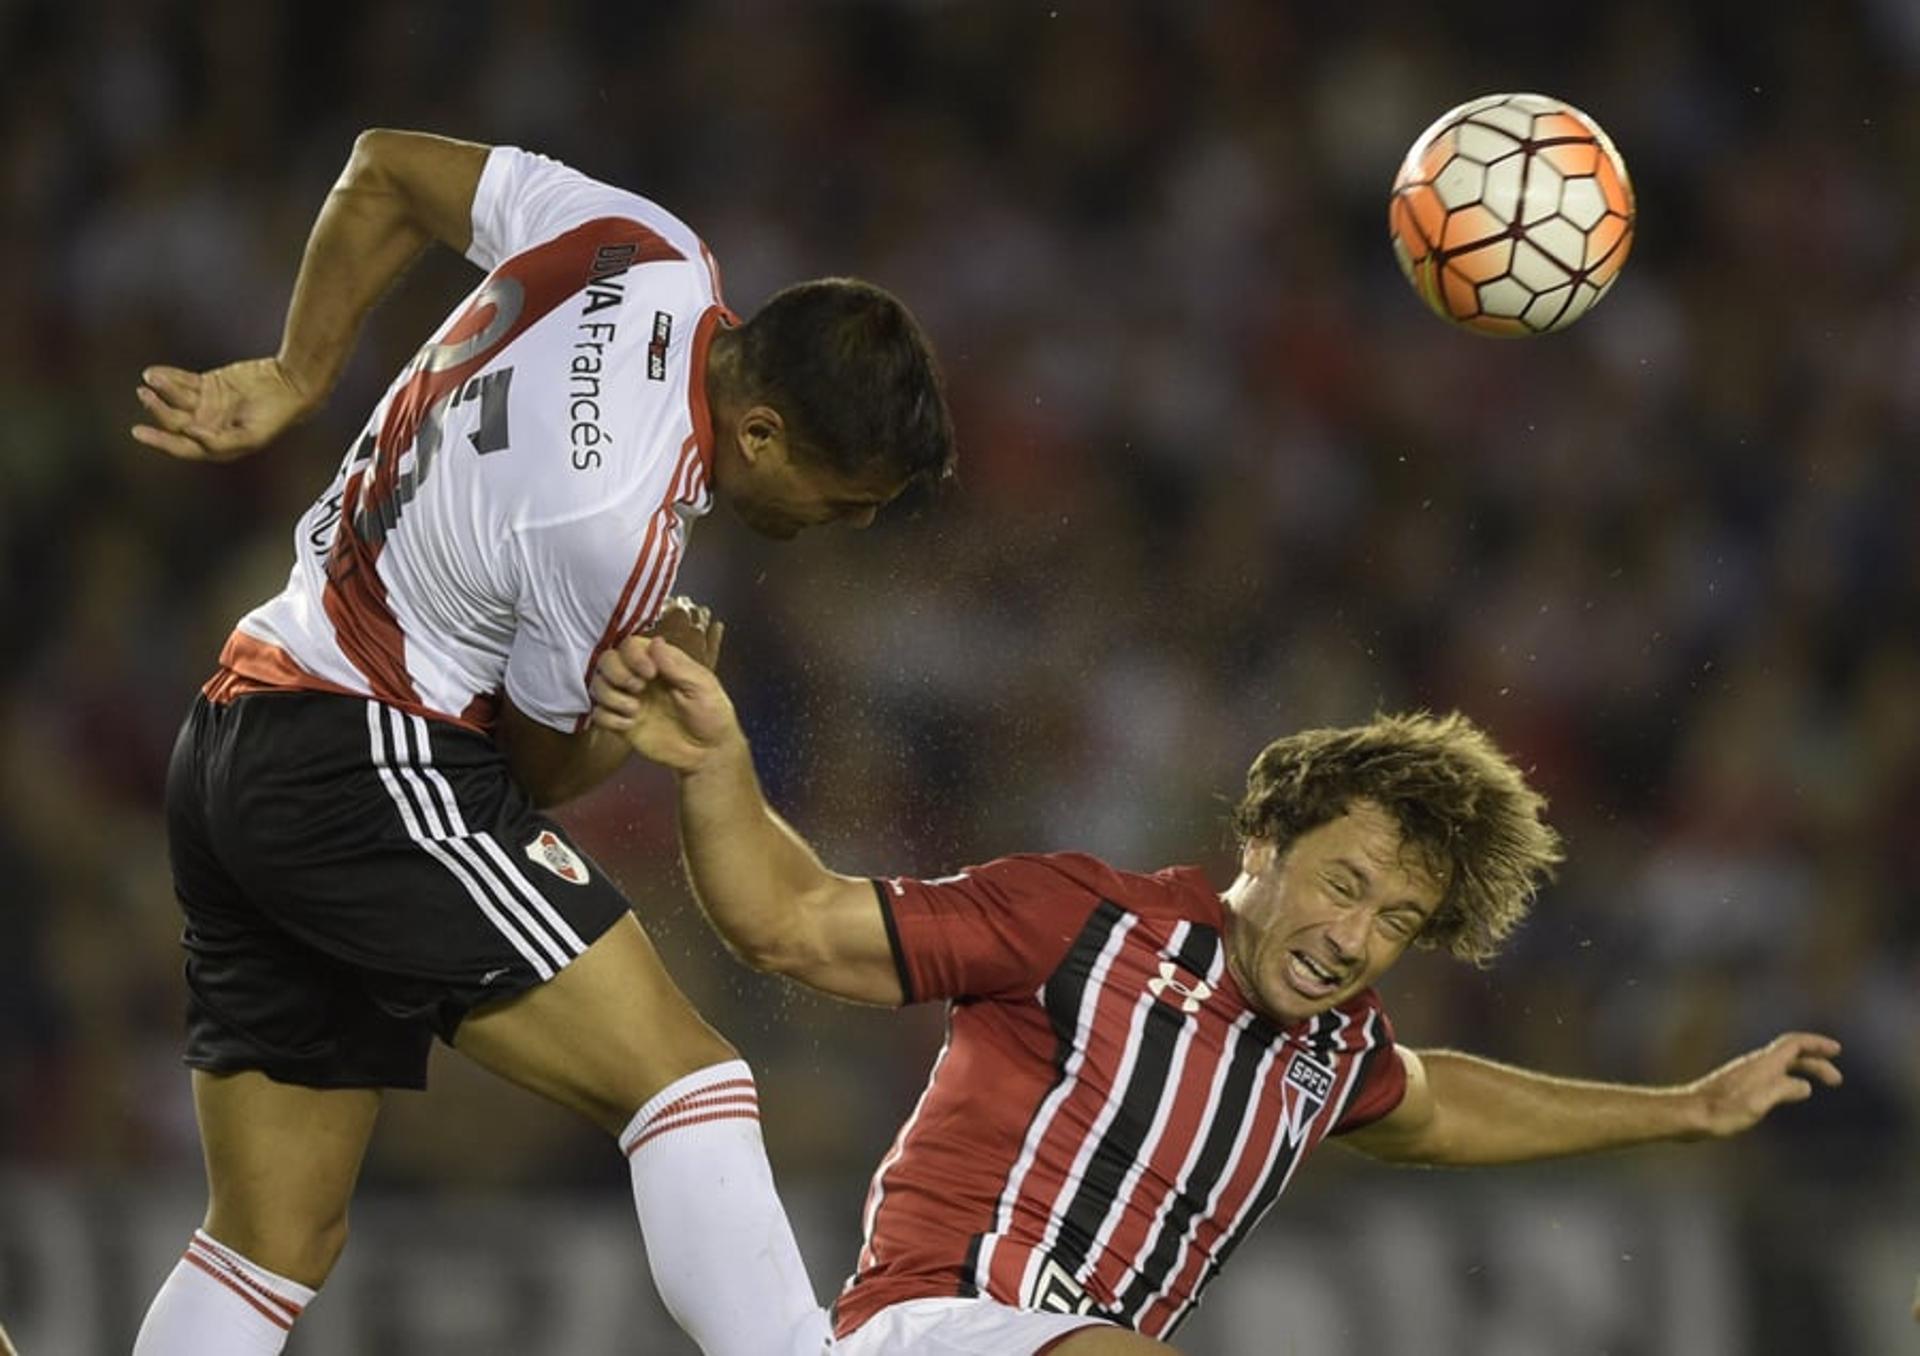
[1223, 477]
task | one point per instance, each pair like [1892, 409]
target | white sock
[718, 1241]
[217, 1303]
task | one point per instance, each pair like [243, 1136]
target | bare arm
[763, 888]
[399, 192]
[554, 766]
[1461, 1110]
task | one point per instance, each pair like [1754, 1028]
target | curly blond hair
[1464, 811]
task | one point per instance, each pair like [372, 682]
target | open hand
[664, 700]
[1738, 1094]
[220, 415]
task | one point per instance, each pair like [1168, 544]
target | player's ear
[1256, 855]
[763, 437]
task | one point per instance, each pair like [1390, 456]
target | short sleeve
[524, 199]
[1383, 1082]
[992, 931]
[576, 579]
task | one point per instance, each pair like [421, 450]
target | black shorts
[355, 881]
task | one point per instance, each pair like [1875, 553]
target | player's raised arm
[1461, 1110]
[763, 888]
[399, 192]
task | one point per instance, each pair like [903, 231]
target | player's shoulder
[1171, 892]
[525, 198]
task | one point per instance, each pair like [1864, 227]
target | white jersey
[522, 495]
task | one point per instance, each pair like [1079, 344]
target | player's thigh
[602, 1036]
[281, 1161]
[1107, 1341]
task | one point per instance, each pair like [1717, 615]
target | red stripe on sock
[726, 1087]
[685, 1122]
[278, 1320]
[231, 1262]
[709, 1099]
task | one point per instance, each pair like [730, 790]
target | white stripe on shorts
[422, 814]
[508, 870]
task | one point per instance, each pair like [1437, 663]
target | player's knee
[302, 1250]
[617, 1112]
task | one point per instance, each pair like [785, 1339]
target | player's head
[1357, 843]
[830, 405]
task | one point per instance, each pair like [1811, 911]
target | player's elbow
[375, 152]
[769, 948]
[777, 941]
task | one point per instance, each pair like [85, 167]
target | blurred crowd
[1222, 477]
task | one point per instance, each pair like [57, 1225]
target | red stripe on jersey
[355, 598]
[650, 576]
[1058, 1127]
[1277, 1130]
[713, 271]
[1247, 1168]
[1168, 1159]
[249, 664]
[710, 320]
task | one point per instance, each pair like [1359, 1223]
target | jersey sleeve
[1383, 1082]
[993, 931]
[581, 581]
[524, 199]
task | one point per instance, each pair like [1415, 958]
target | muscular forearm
[1492, 1113]
[398, 193]
[555, 768]
[751, 871]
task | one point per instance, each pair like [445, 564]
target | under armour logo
[1191, 996]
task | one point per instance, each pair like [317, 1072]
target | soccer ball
[1512, 214]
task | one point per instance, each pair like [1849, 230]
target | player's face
[779, 493]
[1311, 928]
[784, 500]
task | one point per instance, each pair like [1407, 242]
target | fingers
[176, 384]
[169, 416]
[1810, 1043]
[170, 396]
[610, 721]
[629, 665]
[1824, 1070]
[616, 701]
[673, 663]
[173, 444]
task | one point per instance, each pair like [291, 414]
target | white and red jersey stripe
[521, 497]
[1109, 1117]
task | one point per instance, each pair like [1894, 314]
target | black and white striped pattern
[1072, 997]
[402, 753]
[1129, 1126]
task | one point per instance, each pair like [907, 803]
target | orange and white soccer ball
[1512, 214]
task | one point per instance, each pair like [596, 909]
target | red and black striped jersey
[521, 496]
[1109, 1117]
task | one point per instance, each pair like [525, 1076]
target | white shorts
[961, 1327]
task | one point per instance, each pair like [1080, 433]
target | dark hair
[853, 375]
[1461, 805]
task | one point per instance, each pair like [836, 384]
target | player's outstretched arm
[1461, 1110]
[763, 888]
[399, 192]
